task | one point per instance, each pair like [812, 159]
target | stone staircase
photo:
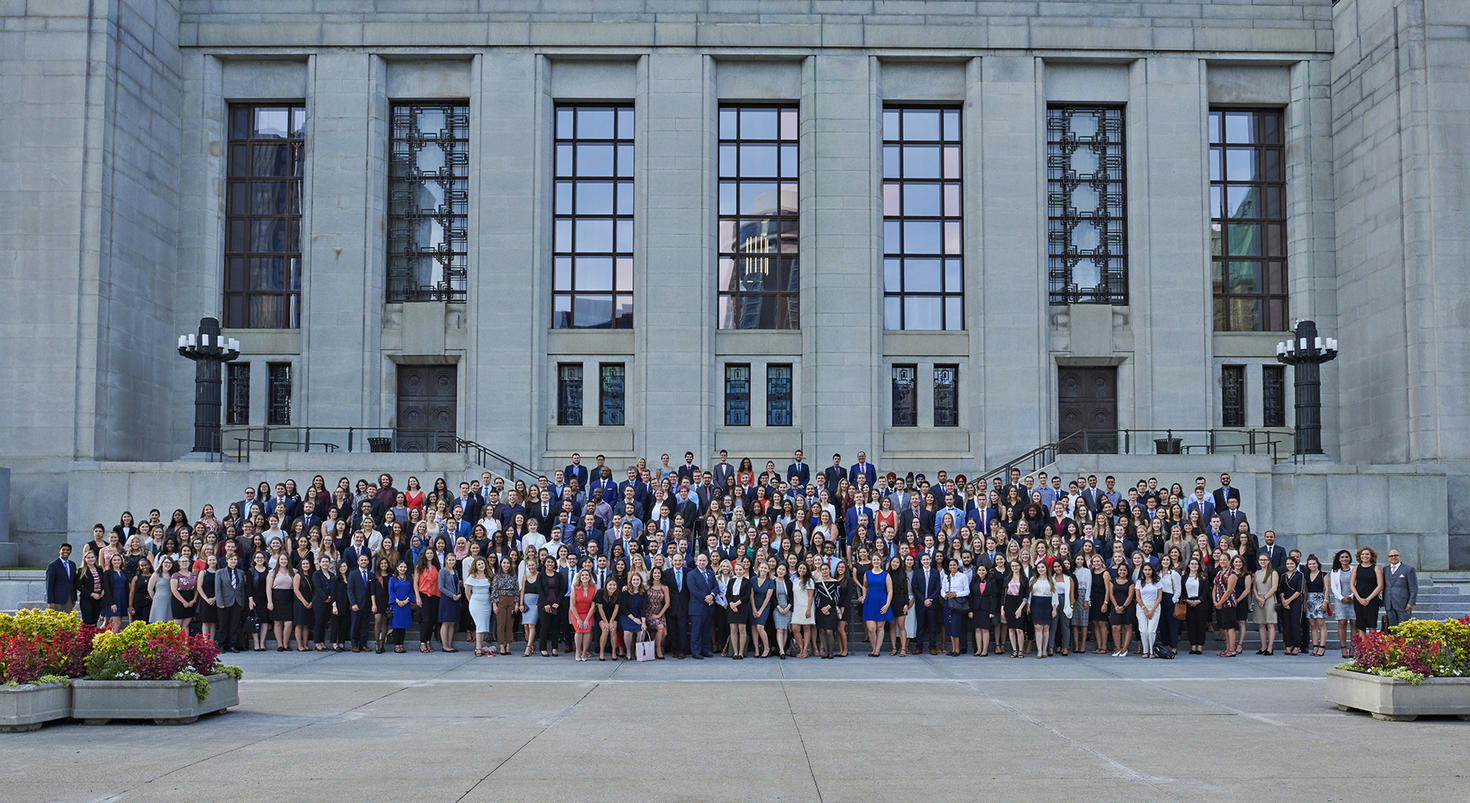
[1443, 595]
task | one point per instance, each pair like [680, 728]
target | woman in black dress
[847, 606]
[1367, 590]
[828, 592]
[1016, 600]
[1122, 602]
[342, 616]
[605, 607]
[140, 601]
[258, 576]
[207, 612]
[321, 602]
[984, 602]
[380, 597]
[302, 615]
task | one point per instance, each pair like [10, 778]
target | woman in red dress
[583, 592]
[414, 496]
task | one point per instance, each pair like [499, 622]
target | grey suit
[232, 595]
[1400, 590]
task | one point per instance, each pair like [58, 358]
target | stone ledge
[27, 707]
[163, 701]
[1396, 700]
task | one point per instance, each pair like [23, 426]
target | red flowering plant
[45, 646]
[158, 651]
[1414, 650]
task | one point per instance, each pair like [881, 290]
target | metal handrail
[484, 454]
[1256, 442]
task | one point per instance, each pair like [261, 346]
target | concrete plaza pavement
[447, 727]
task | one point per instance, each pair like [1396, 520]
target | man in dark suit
[677, 579]
[928, 605]
[798, 473]
[1231, 516]
[688, 471]
[1272, 550]
[640, 491]
[360, 597]
[61, 581]
[862, 468]
[834, 474]
[576, 471]
[1092, 495]
[281, 506]
[701, 583]
[232, 594]
[309, 517]
[1225, 493]
[687, 509]
[723, 471]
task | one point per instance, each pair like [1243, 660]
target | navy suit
[863, 470]
[360, 593]
[700, 584]
[1277, 555]
[1222, 495]
[835, 473]
[283, 508]
[1230, 520]
[802, 473]
[61, 584]
[926, 586]
[579, 472]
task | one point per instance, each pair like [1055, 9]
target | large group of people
[678, 560]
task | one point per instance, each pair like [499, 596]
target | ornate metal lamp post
[208, 351]
[1306, 352]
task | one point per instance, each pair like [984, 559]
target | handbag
[644, 650]
[956, 604]
[1181, 611]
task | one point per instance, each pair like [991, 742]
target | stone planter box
[26, 708]
[166, 702]
[1395, 700]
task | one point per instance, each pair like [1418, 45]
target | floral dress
[654, 602]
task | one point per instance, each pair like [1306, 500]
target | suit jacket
[688, 512]
[61, 582]
[1092, 497]
[360, 593]
[801, 471]
[700, 586]
[863, 470]
[227, 596]
[1206, 508]
[678, 599]
[688, 471]
[1277, 553]
[722, 472]
[1222, 494]
[926, 584]
[580, 472]
[1230, 520]
[834, 474]
[1400, 589]
[283, 508]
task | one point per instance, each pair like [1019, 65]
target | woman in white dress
[803, 617]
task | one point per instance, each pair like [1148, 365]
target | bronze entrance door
[427, 407]
[1087, 400]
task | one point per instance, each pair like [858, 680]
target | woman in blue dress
[877, 592]
[631, 603]
[400, 604]
[763, 601]
[114, 592]
[451, 589]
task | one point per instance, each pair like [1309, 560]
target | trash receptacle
[1168, 445]
[380, 444]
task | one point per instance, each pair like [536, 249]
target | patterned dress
[654, 602]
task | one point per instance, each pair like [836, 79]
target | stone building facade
[847, 295]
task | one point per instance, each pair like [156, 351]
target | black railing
[483, 455]
[1274, 443]
[370, 440]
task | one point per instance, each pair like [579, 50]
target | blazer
[834, 474]
[700, 585]
[1230, 520]
[744, 597]
[227, 596]
[722, 472]
[987, 601]
[688, 471]
[926, 584]
[449, 584]
[321, 588]
[1277, 553]
[801, 472]
[61, 582]
[867, 470]
[360, 593]
[1222, 495]
[578, 471]
[1400, 589]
